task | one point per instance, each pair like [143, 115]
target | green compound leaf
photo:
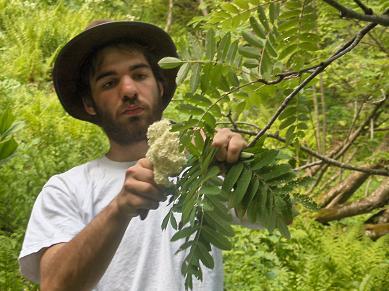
[276, 171]
[249, 52]
[202, 252]
[218, 223]
[265, 159]
[195, 78]
[210, 190]
[210, 44]
[241, 187]
[170, 63]
[185, 232]
[215, 238]
[262, 18]
[257, 28]
[232, 176]
[253, 39]
[182, 73]
[223, 47]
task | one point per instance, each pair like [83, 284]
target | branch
[381, 172]
[377, 199]
[367, 10]
[169, 16]
[344, 190]
[349, 13]
[342, 148]
[345, 49]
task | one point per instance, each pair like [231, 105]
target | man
[85, 229]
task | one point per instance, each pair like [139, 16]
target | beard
[130, 130]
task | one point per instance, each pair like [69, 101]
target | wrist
[121, 210]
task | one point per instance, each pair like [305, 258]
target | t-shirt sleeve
[55, 218]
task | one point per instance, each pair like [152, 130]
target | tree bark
[378, 198]
[169, 18]
[342, 192]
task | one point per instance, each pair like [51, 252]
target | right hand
[140, 192]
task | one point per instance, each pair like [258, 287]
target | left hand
[230, 145]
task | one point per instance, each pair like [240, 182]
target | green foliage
[8, 127]
[238, 43]
[316, 258]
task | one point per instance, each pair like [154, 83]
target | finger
[220, 141]
[143, 189]
[222, 137]
[145, 163]
[141, 173]
[235, 146]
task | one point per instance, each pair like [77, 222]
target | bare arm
[80, 263]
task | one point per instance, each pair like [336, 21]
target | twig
[327, 160]
[306, 166]
[367, 10]
[324, 113]
[345, 49]
[349, 13]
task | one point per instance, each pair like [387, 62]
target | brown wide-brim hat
[67, 66]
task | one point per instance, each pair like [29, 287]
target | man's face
[126, 94]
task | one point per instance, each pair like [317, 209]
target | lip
[133, 110]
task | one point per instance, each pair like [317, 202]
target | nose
[128, 90]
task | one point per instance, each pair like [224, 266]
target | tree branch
[377, 199]
[327, 160]
[367, 10]
[169, 18]
[342, 148]
[321, 67]
[344, 190]
[349, 13]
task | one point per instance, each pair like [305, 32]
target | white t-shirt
[145, 259]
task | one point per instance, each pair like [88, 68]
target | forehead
[114, 55]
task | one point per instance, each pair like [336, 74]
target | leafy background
[337, 256]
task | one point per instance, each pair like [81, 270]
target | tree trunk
[169, 18]
[342, 192]
[377, 199]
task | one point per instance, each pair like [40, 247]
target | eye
[108, 84]
[140, 76]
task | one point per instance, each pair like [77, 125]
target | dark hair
[89, 66]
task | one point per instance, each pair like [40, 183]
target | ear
[88, 106]
[161, 88]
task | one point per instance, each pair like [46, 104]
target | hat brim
[66, 71]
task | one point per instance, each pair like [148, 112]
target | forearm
[80, 263]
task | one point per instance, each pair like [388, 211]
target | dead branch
[343, 147]
[379, 198]
[349, 13]
[344, 190]
[327, 160]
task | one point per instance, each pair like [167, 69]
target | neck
[127, 153]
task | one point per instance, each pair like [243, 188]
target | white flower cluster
[164, 152]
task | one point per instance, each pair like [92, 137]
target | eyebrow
[110, 73]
